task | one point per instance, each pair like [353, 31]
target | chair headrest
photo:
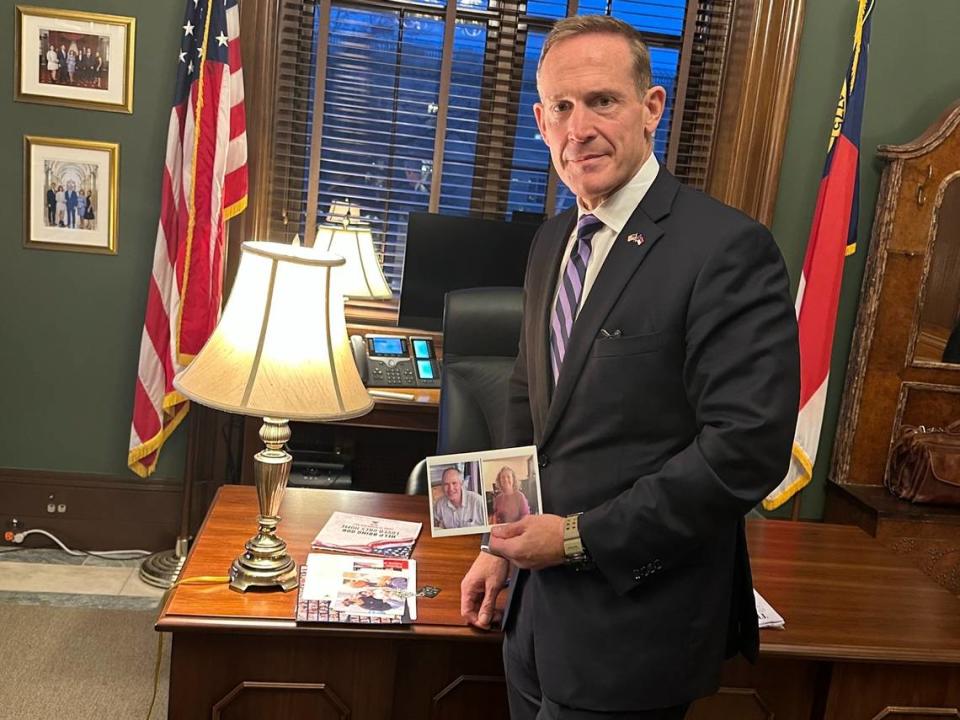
[482, 322]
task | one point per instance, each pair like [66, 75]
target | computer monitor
[445, 253]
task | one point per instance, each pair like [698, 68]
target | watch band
[574, 552]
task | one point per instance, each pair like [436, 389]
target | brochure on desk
[471, 492]
[357, 589]
[367, 535]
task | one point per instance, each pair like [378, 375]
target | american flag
[833, 236]
[204, 185]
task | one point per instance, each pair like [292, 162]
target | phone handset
[359, 347]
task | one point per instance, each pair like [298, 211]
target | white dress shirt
[613, 213]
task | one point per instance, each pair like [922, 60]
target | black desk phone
[396, 360]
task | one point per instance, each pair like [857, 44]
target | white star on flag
[222, 39]
[188, 28]
[190, 67]
[183, 56]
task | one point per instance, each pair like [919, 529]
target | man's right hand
[480, 588]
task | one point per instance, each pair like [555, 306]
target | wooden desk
[865, 632]
[927, 535]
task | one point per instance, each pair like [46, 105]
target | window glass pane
[664, 17]
[664, 65]
[549, 9]
[531, 159]
[379, 119]
[460, 142]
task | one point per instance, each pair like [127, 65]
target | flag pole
[163, 568]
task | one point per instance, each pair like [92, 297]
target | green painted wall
[70, 323]
[913, 76]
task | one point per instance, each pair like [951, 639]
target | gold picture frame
[74, 59]
[70, 194]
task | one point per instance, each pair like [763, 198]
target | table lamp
[281, 352]
[347, 235]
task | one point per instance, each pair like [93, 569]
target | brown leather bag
[925, 465]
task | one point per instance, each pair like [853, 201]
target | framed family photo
[78, 59]
[71, 194]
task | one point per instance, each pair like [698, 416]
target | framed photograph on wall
[79, 59]
[71, 194]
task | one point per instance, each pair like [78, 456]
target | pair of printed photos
[470, 492]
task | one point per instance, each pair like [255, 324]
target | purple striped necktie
[571, 290]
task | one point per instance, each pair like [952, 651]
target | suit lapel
[618, 267]
[542, 375]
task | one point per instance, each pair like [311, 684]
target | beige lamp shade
[281, 348]
[361, 276]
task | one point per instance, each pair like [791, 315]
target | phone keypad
[392, 373]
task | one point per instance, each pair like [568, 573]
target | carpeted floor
[77, 663]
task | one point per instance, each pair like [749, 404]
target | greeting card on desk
[365, 535]
[357, 589]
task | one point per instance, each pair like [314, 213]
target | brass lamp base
[265, 562]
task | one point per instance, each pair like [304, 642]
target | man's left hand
[532, 543]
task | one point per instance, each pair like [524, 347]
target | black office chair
[481, 334]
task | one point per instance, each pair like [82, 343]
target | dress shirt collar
[617, 209]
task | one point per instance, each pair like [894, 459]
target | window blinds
[360, 89]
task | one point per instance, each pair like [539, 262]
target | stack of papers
[766, 615]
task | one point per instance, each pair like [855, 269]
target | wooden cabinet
[904, 366]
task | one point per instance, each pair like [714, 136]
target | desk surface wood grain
[842, 594]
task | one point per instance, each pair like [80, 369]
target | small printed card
[366, 535]
[767, 617]
[357, 589]
[469, 492]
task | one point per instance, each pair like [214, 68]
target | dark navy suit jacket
[664, 435]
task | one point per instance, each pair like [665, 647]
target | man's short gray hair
[586, 24]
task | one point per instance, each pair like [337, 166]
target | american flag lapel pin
[637, 238]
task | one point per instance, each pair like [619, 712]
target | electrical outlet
[13, 527]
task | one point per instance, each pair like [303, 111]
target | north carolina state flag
[833, 236]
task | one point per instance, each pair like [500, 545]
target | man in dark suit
[72, 207]
[62, 60]
[658, 375]
[52, 205]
